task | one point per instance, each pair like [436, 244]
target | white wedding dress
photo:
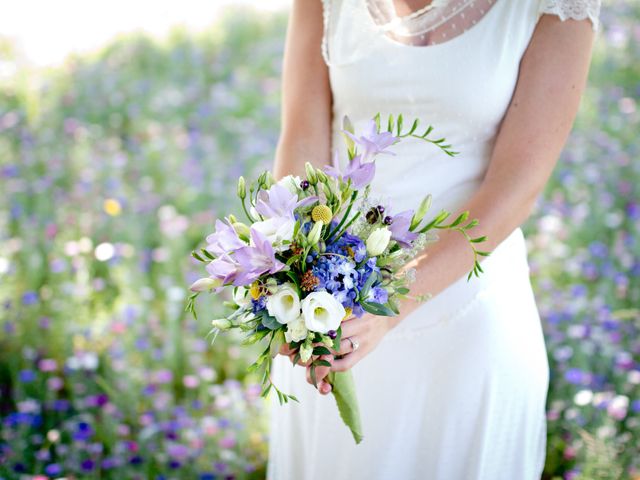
[457, 390]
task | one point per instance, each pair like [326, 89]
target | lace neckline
[424, 28]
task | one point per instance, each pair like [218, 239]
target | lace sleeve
[574, 9]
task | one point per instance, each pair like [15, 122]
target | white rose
[378, 241]
[284, 304]
[290, 182]
[296, 331]
[277, 230]
[322, 312]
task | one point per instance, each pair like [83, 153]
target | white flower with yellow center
[284, 304]
[322, 312]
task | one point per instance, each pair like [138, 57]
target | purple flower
[27, 376]
[224, 268]
[279, 201]
[360, 174]
[574, 376]
[53, 470]
[371, 141]
[256, 259]
[400, 229]
[223, 240]
[378, 295]
[29, 298]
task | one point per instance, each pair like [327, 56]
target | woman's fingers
[353, 326]
[286, 350]
[320, 373]
[346, 346]
[345, 363]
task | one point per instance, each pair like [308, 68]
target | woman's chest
[468, 80]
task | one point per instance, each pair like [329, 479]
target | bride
[453, 388]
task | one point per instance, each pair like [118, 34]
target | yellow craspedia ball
[255, 291]
[321, 213]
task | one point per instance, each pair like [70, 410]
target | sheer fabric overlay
[440, 20]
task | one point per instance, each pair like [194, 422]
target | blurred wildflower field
[114, 165]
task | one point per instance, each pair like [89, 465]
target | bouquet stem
[344, 391]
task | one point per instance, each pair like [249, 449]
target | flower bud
[314, 234]
[242, 188]
[269, 180]
[205, 284]
[421, 212]
[311, 173]
[305, 351]
[378, 241]
[241, 229]
[322, 177]
[221, 324]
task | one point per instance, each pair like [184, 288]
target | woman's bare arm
[552, 77]
[305, 134]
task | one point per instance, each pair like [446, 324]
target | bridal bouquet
[315, 251]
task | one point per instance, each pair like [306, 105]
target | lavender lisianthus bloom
[279, 201]
[400, 229]
[224, 268]
[361, 174]
[256, 259]
[372, 142]
[223, 240]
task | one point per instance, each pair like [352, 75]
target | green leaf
[323, 363]
[461, 218]
[198, 257]
[393, 306]
[413, 127]
[377, 309]
[207, 254]
[293, 277]
[402, 290]
[344, 392]
[364, 291]
[478, 240]
[276, 342]
[321, 351]
[336, 341]
[255, 337]
[313, 374]
[270, 322]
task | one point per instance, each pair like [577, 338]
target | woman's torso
[461, 86]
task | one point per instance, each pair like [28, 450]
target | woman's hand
[359, 337]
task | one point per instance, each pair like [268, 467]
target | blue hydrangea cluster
[259, 304]
[344, 268]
